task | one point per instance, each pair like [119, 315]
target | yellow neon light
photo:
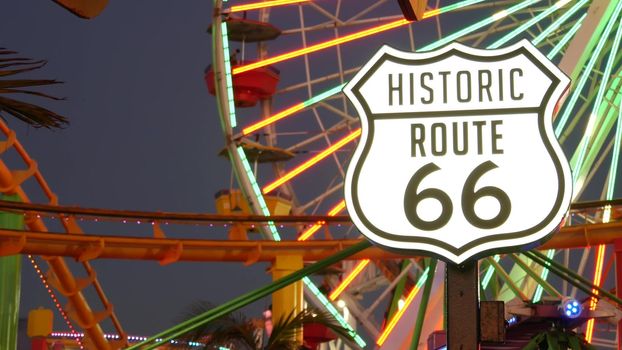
[338, 208]
[274, 118]
[313, 229]
[264, 4]
[598, 270]
[306, 165]
[308, 233]
[320, 46]
[346, 281]
[387, 330]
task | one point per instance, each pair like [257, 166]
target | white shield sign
[457, 155]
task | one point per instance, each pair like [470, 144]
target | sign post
[461, 294]
[458, 160]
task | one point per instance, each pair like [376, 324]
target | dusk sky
[144, 135]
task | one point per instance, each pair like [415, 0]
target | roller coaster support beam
[289, 299]
[167, 250]
[618, 248]
[64, 279]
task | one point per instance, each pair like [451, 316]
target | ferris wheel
[278, 70]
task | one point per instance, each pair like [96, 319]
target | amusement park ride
[278, 70]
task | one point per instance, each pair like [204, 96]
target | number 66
[412, 198]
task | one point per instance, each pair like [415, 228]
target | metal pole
[10, 283]
[461, 289]
[423, 306]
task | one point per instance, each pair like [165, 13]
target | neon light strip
[309, 232]
[261, 5]
[598, 270]
[228, 79]
[601, 90]
[258, 195]
[497, 16]
[537, 296]
[584, 76]
[398, 315]
[346, 281]
[545, 33]
[320, 46]
[331, 308]
[306, 165]
[489, 272]
[558, 5]
[566, 38]
[344, 39]
[293, 109]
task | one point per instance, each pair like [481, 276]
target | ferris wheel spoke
[315, 202]
[263, 5]
[365, 11]
[353, 36]
[360, 266]
[314, 160]
[339, 126]
[322, 79]
[325, 13]
[332, 24]
[526, 24]
[313, 229]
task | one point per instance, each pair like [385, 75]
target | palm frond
[233, 330]
[32, 114]
[285, 329]
[29, 113]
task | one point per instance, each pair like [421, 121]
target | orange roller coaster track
[168, 250]
[64, 280]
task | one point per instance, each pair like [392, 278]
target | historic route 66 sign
[457, 155]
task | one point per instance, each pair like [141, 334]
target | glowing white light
[400, 304]
[499, 15]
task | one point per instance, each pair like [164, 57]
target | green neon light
[315, 99]
[537, 296]
[601, 90]
[331, 308]
[458, 6]
[509, 36]
[566, 38]
[228, 79]
[613, 169]
[489, 272]
[584, 76]
[258, 194]
[423, 277]
[545, 33]
[607, 118]
[499, 15]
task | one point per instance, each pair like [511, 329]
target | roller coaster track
[84, 247]
[60, 275]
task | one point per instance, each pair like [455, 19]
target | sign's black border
[540, 110]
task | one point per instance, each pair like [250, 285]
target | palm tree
[237, 332]
[558, 338]
[29, 113]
